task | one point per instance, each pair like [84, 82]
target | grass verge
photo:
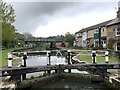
[99, 59]
[4, 55]
[3, 61]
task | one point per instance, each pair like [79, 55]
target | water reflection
[60, 84]
[71, 86]
[43, 60]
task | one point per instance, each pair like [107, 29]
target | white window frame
[95, 42]
[96, 30]
[117, 46]
[116, 29]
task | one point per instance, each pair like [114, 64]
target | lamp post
[99, 37]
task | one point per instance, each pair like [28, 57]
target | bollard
[94, 56]
[69, 57]
[49, 57]
[10, 60]
[49, 61]
[24, 59]
[56, 71]
[72, 61]
[24, 65]
[106, 57]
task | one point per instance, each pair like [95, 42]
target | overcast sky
[43, 19]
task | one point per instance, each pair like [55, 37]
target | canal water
[60, 84]
[43, 60]
[63, 85]
[39, 60]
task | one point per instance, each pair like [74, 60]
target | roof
[96, 26]
[114, 21]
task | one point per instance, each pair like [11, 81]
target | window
[103, 29]
[96, 30]
[118, 31]
[118, 46]
[114, 29]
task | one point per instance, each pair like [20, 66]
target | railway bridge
[51, 41]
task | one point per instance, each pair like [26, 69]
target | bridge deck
[22, 70]
[42, 40]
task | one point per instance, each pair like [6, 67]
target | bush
[32, 77]
[95, 48]
[45, 74]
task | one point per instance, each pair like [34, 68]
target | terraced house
[105, 34]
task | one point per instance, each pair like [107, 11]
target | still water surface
[63, 85]
[43, 60]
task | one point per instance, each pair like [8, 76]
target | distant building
[100, 35]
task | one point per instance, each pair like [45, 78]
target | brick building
[105, 34]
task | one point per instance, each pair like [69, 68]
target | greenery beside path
[3, 60]
[4, 54]
[85, 55]
[100, 59]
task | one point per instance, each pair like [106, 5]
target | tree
[69, 38]
[7, 19]
[8, 35]
[7, 13]
[28, 35]
[111, 42]
[60, 37]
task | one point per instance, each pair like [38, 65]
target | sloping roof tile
[114, 21]
[96, 26]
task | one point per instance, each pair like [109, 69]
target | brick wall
[90, 34]
[103, 31]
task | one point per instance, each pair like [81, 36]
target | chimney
[118, 12]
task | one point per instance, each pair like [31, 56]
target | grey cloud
[31, 15]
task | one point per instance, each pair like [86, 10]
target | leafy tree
[8, 35]
[7, 13]
[28, 35]
[69, 38]
[60, 37]
[19, 38]
[111, 42]
[7, 18]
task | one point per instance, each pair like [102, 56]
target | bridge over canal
[52, 41]
[42, 40]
